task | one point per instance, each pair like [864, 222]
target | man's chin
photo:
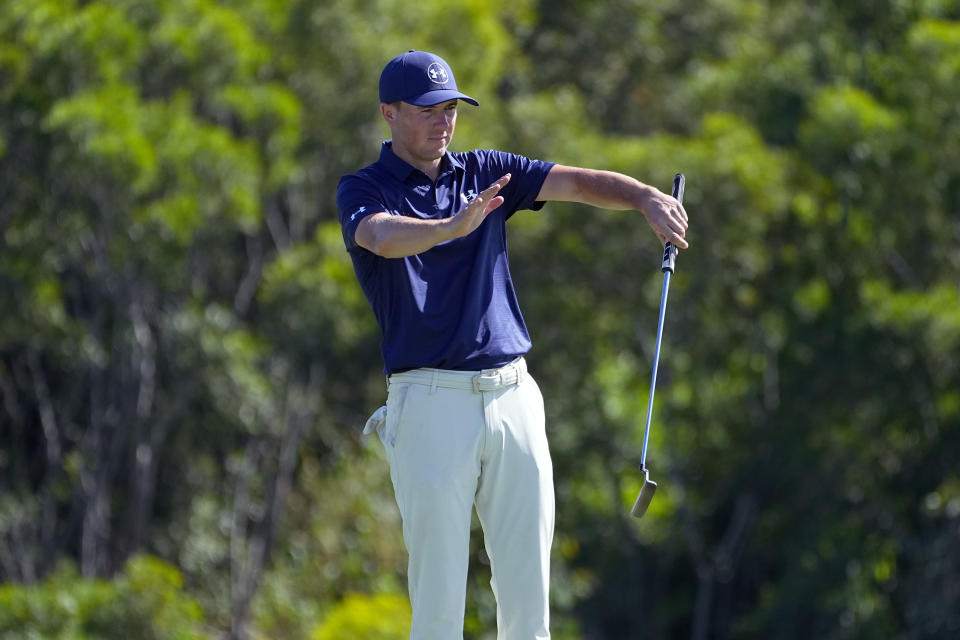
[437, 147]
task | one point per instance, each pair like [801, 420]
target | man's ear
[389, 111]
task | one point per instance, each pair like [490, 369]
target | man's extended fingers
[496, 186]
[493, 204]
[485, 198]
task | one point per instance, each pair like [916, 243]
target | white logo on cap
[437, 73]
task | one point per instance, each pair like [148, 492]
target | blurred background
[186, 360]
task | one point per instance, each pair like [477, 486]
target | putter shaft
[667, 266]
[656, 362]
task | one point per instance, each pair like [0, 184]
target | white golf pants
[456, 439]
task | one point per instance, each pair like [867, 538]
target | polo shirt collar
[400, 170]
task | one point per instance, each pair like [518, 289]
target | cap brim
[431, 98]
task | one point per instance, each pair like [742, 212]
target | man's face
[422, 132]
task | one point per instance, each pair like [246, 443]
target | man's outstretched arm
[392, 236]
[616, 191]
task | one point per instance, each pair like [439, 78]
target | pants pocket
[390, 428]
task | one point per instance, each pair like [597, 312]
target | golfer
[463, 425]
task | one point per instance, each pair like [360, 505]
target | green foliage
[145, 601]
[337, 543]
[179, 312]
[377, 617]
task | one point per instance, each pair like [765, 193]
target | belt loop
[433, 385]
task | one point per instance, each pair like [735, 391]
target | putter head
[645, 496]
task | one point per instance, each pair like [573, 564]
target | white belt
[478, 382]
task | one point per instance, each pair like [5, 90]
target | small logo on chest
[471, 195]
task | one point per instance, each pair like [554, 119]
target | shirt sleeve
[526, 178]
[356, 199]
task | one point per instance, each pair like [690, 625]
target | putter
[667, 266]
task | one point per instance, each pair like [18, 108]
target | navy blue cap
[419, 78]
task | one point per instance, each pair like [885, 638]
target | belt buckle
[496, 377]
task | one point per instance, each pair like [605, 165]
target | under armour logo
[437, 73]
[471, 194]
[358, 212]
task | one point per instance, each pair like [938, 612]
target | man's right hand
[474, 212]
[393, 236]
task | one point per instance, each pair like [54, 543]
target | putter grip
[669, 258]
[669, 262]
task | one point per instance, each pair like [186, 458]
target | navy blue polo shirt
[454, 305]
